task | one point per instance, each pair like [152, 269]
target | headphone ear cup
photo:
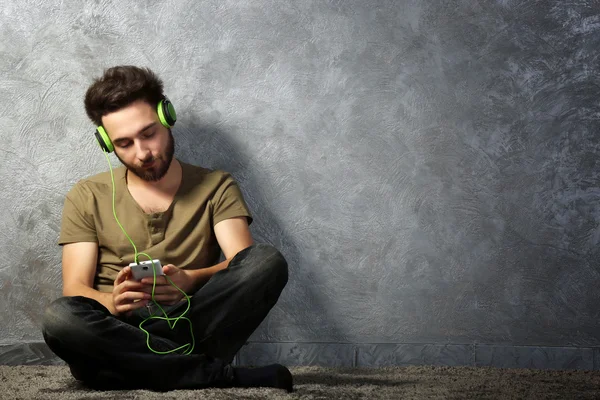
[103, 140]
[166, 113]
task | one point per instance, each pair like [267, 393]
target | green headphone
[166, 115]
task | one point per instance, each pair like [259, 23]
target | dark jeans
[108, 352]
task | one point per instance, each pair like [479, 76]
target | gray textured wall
[429, 168]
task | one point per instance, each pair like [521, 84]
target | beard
[161, 163]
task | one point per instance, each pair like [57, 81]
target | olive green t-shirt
[183, 235]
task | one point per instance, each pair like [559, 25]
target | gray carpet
[55, 382]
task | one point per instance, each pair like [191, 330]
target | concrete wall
[429, 168]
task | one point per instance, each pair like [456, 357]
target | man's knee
[59, 319]
[270, 262]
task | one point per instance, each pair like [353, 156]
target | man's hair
[120, 86]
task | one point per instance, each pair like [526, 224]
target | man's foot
[275, 376]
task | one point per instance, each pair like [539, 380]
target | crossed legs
[108, 351]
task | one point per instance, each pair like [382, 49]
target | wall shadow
[215, 146]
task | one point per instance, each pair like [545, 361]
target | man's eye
[149, 134]
[124, 145]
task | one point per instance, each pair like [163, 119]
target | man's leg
[83, 333]
[228, 309]
[233, 303]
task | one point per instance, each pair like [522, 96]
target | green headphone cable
[171, 321]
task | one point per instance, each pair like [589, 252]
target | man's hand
[164, 292]
[128, 294]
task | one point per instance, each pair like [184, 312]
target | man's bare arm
[78, 269]
[233, 236]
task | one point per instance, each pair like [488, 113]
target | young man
[180, 214]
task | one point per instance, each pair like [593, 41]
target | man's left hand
[164, 292]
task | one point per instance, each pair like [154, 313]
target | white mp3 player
[144, 269]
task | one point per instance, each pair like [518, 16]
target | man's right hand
[127, 294]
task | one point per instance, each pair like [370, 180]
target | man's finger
[160, 280]
[128, 297]
[122, 276]
[170, 269]
[128, 286]
[133, 286]
[131, 306]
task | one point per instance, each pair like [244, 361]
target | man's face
[141, 142]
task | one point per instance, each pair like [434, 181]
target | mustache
[148, 160]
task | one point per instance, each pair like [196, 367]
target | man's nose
[142, 152]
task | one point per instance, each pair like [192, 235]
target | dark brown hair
[120, 86]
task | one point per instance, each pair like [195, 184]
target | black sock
[275, 375]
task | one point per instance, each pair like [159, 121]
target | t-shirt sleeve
[77, 224]
[229, 202]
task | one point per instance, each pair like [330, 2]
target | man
[180, 214]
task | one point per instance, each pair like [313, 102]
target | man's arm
[79, 268]
[233, 236]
